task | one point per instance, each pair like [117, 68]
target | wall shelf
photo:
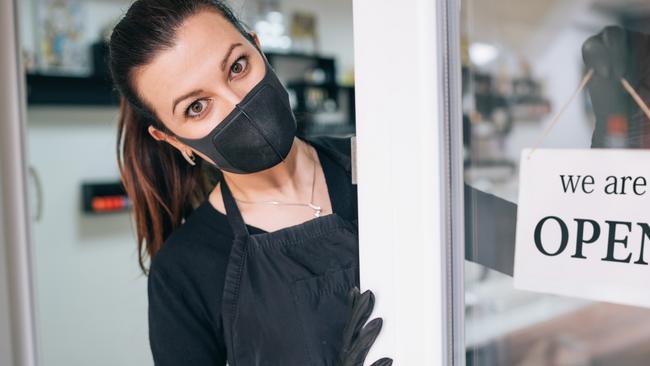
[97, 89]
[69, 90]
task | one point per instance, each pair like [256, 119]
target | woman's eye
[239, 65]
[195, 109]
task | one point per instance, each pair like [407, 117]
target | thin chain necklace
[317, 209]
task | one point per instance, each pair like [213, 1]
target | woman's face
[193, 85]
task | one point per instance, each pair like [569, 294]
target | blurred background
[91, 296]
[521, 61]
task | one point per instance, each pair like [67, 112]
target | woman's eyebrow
[185, 96]
[225, 59]
[196, 92]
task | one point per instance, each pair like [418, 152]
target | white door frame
[407, 90]
[15, 220]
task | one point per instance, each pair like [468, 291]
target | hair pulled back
[161, 185]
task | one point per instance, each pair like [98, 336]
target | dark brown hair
[161, 185]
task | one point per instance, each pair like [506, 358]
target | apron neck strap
[232, 211]
[333, 151]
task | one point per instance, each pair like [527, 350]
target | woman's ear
[255, 39]
[161, 136]
[188, 153]
[170, 139]
[157, 134]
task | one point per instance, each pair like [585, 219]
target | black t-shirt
[186, 277]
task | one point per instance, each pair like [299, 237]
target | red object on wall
[110, 203]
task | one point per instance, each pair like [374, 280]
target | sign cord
[626, 85]
[636, 97]
[583, 83]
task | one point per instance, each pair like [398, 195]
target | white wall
[92, 305]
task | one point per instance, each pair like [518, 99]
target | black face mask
[256, 135]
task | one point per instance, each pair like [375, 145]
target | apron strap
[232, 211]
[337, 151]
[334, 148]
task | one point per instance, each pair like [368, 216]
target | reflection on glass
[521, 61]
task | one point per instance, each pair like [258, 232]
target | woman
[254, 266]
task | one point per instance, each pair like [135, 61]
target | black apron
[285, 292]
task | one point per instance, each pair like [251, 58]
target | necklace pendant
[317, 209]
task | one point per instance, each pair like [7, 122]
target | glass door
[521, 62]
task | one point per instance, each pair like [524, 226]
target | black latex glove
[357, 338]
[617, 53]
[606, 53]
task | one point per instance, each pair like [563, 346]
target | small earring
[191, 159]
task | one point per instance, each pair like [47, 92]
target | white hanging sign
[583, 224]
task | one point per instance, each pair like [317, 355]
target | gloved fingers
[383, 362]
[349, 330]
[615, 39]
[362, 310]
[366, 338]
[359, 314]
[606, 53]
[595, 56]
[353, 294]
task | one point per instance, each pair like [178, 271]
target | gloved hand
[357, 338]
[606, 53]
[613, 54]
